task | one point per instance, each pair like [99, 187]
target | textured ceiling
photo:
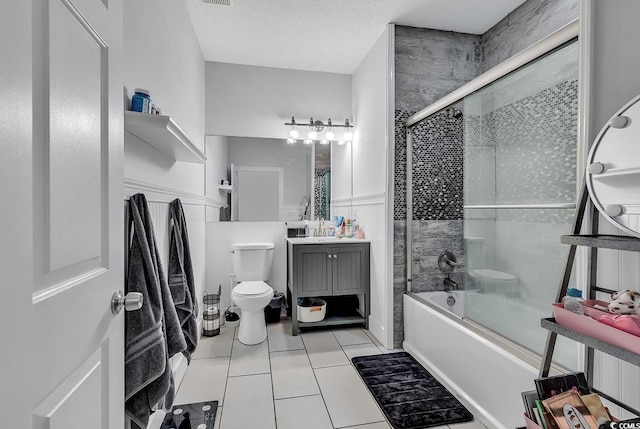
[329, 35]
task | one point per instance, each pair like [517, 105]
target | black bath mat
[191, 416]
[409, 396]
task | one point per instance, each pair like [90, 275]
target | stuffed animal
[625, 302]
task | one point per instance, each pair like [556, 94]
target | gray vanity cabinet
[331, 269]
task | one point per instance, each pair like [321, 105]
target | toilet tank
[474, 254]
[252, 261]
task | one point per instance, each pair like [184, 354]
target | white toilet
[486, 279]
[251, 267]
[493, 281]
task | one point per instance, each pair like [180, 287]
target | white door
[61, 237]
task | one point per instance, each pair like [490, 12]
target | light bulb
[308, 141]
[341, 142]
[312, 134]
[291, 140]
[324, 141]
[293, 133]
[330, 135]
[348, 134]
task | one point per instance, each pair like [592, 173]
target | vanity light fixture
[316, 128]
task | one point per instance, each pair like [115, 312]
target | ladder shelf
[594, 241]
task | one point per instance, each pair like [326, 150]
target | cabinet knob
[330, 256]
[335, 256]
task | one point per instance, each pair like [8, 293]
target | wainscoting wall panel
[369, 211]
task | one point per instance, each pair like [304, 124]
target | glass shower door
[520, 137]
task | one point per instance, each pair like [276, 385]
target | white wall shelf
[162, 133]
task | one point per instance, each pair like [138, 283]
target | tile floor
[287, 382]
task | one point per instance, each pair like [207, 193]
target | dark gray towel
[181, 280]
[153, 333]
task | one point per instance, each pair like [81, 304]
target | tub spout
[450, 284]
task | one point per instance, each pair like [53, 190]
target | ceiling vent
[220, 2]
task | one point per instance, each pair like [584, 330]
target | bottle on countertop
[347, 228]
[573, 301]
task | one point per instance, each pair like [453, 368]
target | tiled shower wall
[429, 64]
[437, 198]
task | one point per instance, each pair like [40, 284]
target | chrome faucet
[449, 284]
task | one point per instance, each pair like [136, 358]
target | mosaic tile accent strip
[437, 168]
[400, 172]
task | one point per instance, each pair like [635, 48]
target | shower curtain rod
[554, 40]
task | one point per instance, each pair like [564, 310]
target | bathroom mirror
[308, 177]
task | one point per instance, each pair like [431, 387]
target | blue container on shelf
[141, 101]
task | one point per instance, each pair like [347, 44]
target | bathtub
[485, 377]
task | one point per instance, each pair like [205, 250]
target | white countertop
[325, 240]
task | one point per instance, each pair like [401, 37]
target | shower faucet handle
[447, 261]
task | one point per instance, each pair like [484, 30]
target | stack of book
[564, 402]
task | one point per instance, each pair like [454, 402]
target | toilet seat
[485, 273]
[252, 289]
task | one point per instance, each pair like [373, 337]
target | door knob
[133, 301]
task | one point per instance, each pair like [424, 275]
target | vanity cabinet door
[313, 270]
[350, 269]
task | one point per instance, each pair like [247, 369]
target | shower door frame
[561, 37]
